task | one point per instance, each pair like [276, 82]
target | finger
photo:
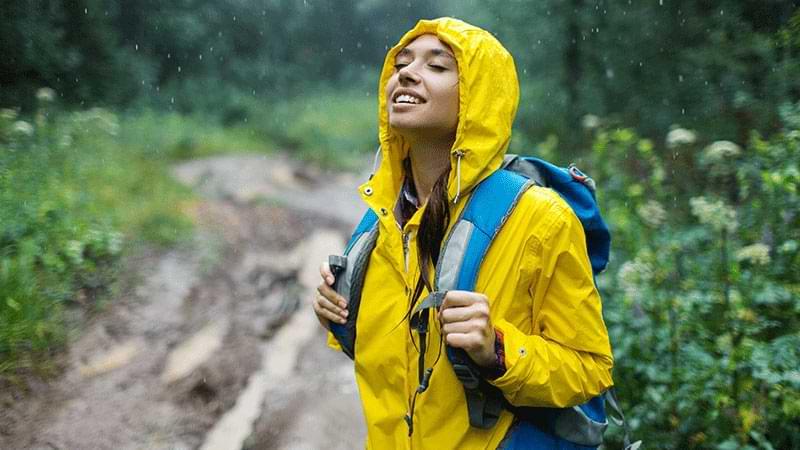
[326, 273]
[331, 316]
[457, 314]
[331, 306]
[457, 327]
[466, 341]
[328, 292]
[328, 310]
[461, 298]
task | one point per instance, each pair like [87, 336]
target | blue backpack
[579, 427]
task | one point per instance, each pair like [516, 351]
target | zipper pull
[406, 238]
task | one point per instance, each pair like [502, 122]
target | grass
[80, 189]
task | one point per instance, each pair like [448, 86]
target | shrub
[701, 296]
[71, 200]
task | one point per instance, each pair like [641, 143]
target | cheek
[390, 85]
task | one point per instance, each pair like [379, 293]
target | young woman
[448, 96]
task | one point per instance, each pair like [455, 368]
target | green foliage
[173, 136]
[332, 127]
[71, 197]
[701, 296]
[723, 66]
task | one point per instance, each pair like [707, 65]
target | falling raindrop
[179, 69]
[172, 100]
[86, 10]
[200, 56]
[341, 49]
[169, 55]
[136, 47]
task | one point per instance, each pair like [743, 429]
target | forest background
[686, 113]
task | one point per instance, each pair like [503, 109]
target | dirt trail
[216, 346]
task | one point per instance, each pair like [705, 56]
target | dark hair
[432, 228]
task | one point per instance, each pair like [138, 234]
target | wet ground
[212, 345]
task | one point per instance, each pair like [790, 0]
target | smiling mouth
[408, 99]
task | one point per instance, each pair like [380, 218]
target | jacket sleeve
[332, 342]
[567, 359]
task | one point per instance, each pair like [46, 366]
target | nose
[408, 75]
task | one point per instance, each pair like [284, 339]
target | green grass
[74, 197]
[80, 189]
[335, 129]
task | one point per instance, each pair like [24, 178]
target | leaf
[13, 304]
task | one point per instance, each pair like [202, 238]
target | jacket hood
[488, 99]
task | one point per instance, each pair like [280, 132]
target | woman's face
[422, 93]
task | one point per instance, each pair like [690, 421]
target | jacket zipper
[406, 237]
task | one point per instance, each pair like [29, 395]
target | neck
[429, 159]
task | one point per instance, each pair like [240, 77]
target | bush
[701, 295]
[71, 200]
[334, 128]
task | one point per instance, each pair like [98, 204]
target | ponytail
[432, 227]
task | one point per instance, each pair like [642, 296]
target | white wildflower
[590, 121]
[65, 140]
[789, 246]
[652, 213]
[74, 252]
[756, 253]
[721, 150]
[634, 275]
[8, 114]
[714, 213]
[45, 95]
[114, 242]
[22, 127]
[680, 136]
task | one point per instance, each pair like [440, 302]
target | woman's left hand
[466, 324]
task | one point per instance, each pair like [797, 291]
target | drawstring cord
[424, 375]
[459, 154]
[375, 162]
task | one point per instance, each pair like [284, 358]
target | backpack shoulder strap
[486, 212]
[469, 240]
[349, 271]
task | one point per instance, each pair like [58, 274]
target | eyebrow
[434, 52]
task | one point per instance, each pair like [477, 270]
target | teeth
[405, 98]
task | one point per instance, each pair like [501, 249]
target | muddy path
[212, 345]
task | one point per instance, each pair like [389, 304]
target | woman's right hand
[328, 304]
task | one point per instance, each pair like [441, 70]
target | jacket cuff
[497, 369]
[333, 343]
[516, 355]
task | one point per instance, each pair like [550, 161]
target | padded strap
[350, 271]
[466, 245]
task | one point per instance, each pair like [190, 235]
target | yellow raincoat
[536, 275]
